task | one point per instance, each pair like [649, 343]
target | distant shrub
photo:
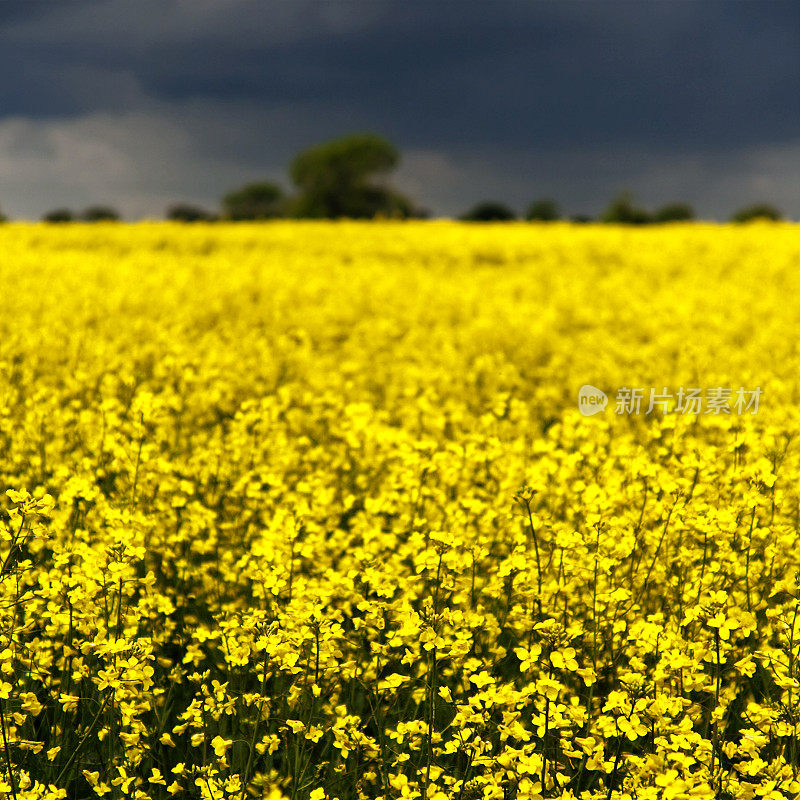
[489, 211]
[543, 210]
[99, 214]
[254, 201]
[674, 212]
[186, 212]
[59, 215]
[757, 211]
[622, 210]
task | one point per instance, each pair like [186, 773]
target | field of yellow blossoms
[310, 511]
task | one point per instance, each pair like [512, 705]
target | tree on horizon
[346, 178]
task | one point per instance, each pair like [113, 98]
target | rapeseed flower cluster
[306, 511]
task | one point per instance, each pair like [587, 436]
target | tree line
[343, 178]
[347, 178]
[622, 210]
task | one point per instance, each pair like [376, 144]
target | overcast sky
[140, 103]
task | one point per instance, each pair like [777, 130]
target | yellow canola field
[310, 510]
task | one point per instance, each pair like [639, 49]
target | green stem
[8, 753]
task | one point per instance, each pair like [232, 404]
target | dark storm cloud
[540, 75]
[478, 83]
[679, 73]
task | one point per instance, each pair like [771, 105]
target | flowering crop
[308, 510]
